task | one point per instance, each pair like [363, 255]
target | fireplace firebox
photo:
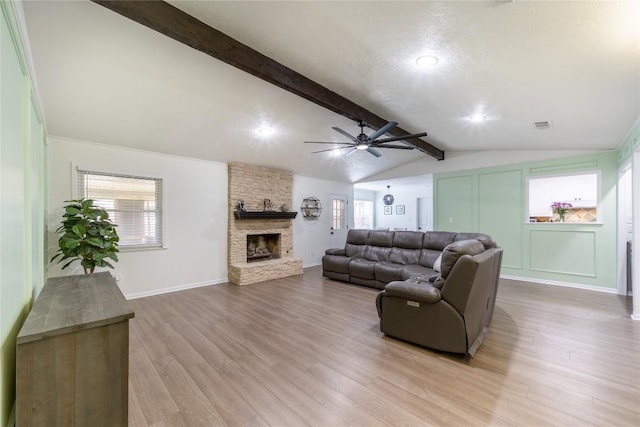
[263, 247]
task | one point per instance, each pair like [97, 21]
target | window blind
[134, 203]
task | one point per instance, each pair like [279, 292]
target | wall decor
[399, 209]
[311, 208]
[387, 199]
[388, 210]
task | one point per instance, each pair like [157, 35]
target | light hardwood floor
[308, 351]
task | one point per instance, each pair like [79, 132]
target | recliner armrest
[414, 291]
[335, 251]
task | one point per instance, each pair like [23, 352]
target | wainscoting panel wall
[562, 251]
[494, 201]
[500, 214]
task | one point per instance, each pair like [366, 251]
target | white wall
[311, 238]
[407, 196]
[195, 203]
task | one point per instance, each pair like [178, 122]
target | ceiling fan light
[362, 146]
[477, 118]
[427, 61]
[265, 131]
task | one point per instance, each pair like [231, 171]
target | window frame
[161, 207]
[598, 201]
[373, 211]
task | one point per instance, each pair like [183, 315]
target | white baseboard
[635, 316]
[176, 288]
[558, 283]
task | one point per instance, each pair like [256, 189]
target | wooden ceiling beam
[184, 28]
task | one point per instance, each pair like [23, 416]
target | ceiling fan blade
[400, 138]
[340, 131]
[399, 147]
[327, 142]
[330, 149]
[374, 152]
[384, 129]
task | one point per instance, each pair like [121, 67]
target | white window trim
[598, 173]
[140, 248]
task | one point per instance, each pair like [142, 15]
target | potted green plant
[88, 235]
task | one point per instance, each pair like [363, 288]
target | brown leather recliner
[452, 313]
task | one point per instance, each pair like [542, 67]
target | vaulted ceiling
[106, 79]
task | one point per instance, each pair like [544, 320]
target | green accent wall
[494, 201]
[457, 212]
[23, 159]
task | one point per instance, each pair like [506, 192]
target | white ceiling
[106, 79]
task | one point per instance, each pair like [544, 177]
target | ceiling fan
[369, 143]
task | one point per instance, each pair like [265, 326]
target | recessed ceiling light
[427, 61]
[265, 131]
[477, 118]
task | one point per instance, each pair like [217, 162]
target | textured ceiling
[106, 79]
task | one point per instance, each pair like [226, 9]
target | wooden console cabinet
[73, 355]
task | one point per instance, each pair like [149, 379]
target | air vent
[542, 125]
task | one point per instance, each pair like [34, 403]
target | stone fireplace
[263, 247]
[253, 184]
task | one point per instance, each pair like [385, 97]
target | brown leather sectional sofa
[374, 258]
[448, 309]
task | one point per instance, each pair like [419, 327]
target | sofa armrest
[335, 251]
[414, 291]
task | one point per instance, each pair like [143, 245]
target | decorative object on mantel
[311, 208]
[268, 206]
[240, 206]
[284, 208]
[387, 199]
[88, 236]
[561, 208]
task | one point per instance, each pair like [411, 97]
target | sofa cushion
[437, 266]
[358, 237]
[377, 253]
[361, 268]
[486, 241]
[335, 263]
[354, 251]
[429, 256]
[388, 271]
[437, 240]
[404, 256]
[380, 238]
[455, 250]
[408, 239]
[409, 271]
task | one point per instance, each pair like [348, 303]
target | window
[133, 203]
[338, 216]
[363, 213]
[577, 194]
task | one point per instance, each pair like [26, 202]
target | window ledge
[141, 248]
[564, 223]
